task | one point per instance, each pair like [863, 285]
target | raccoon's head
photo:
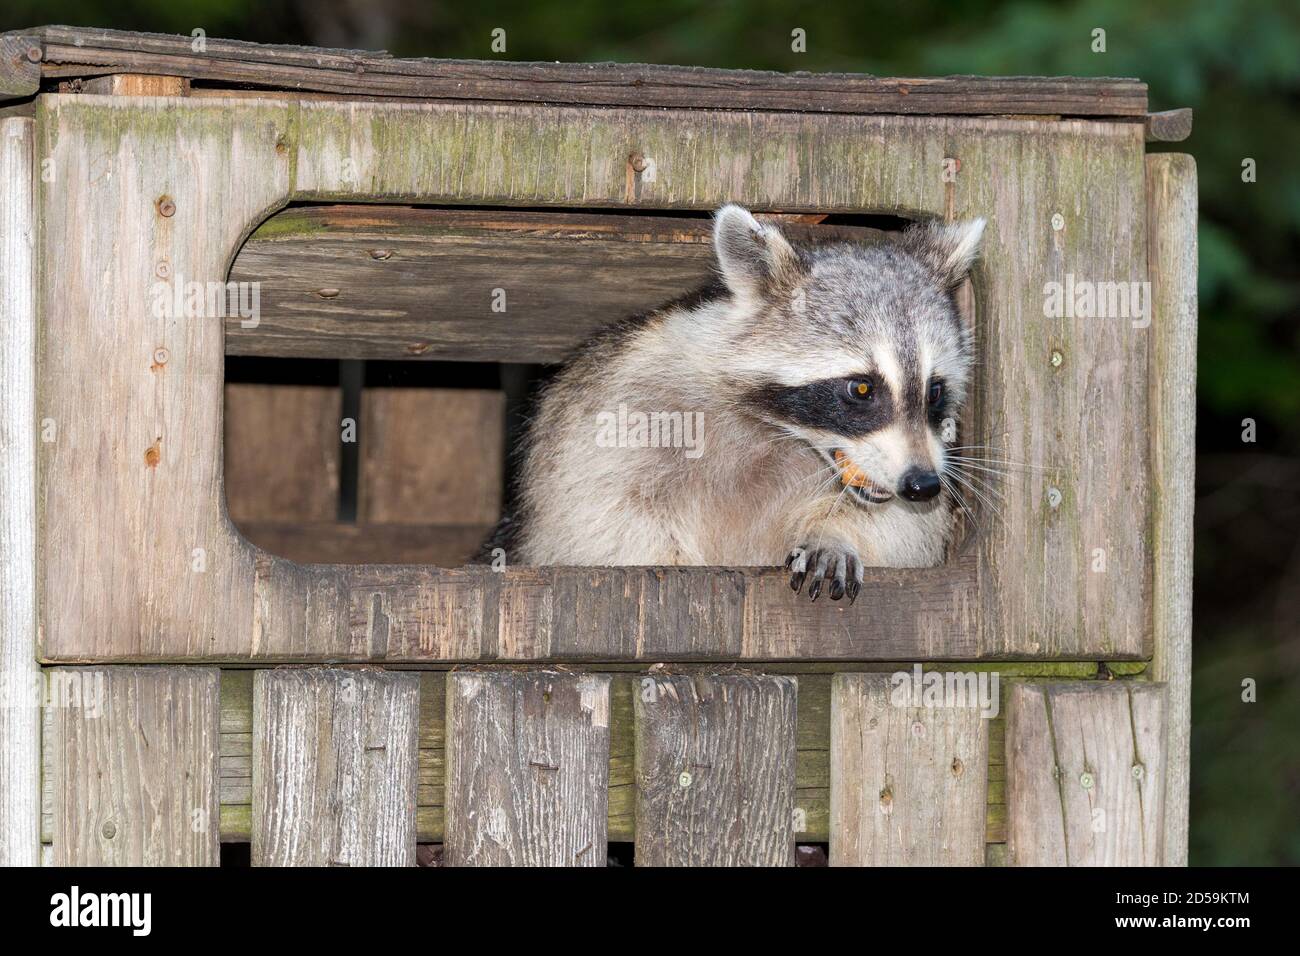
[857, 351]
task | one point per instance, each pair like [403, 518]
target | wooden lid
[57, 52]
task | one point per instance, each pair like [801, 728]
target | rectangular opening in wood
[374, 401]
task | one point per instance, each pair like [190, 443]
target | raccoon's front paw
[841, 566]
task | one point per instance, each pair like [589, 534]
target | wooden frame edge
[1171, 238]
[20, 676]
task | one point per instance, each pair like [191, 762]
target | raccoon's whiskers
[956, 496]
[974, 463]
[831, 476]
[836, 503]
[988, 460]
[979, 496]
[983, 482]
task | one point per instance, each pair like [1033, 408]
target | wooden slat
[527, 769]
[334, 768]
[1085, 774]
[715, 770]
[20, 678]
[418, 283]
[431, 456]
[908, 782]
[282, 452]
[1171, 257]
[71, 51]
[135, 766]
[20, 66]
[404, 283]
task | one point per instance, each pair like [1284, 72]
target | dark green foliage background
[1236, 63]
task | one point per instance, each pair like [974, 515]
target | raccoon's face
[856, 351]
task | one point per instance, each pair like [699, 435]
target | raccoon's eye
[936, 392]
[860, 389]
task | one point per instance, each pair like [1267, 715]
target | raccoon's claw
[797, 564]
[841, 567]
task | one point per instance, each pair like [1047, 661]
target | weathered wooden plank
[134, 756]
[431, 456]
[20, 677]
[282, 452]
[1171, 251]
[908, 781]
[20, 66]
[612, 614]
[72, 51]
[334, 767]
[930, 613]
[1086, 774]
[1055, 573]
[527, 769]
[398, 283]
[715, 770]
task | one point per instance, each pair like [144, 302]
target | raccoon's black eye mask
[853, 407]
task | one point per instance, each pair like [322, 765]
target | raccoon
[792, 412]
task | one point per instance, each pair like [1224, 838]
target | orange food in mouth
[850, 473]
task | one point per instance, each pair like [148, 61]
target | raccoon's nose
[918, 485]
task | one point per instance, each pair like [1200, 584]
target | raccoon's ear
[950, 249]
[754, 257]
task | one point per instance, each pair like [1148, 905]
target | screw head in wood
[1054, 497]
[163, 270]
[109, 830]
[34, 54]
[1085, 780]
[685, 779]
[1057, 358]
[160, 356]
[1138, 771]
[381, 254]
[638, 162]
[1058, 222]
[166, 206]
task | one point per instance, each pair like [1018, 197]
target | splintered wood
[527, 769]
[908, 782]
[1085, 774]
[715, 771]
